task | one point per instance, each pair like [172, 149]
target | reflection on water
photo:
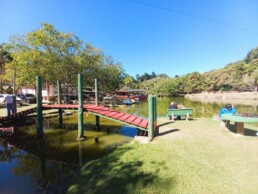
[34, 166]
[201, 108]
[29, 166]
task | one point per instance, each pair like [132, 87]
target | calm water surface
[29, 166]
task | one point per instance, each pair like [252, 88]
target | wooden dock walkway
[101, 111]
[105, 112]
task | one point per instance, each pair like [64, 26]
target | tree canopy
[60, 56]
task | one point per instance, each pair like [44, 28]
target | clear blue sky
[175, 37]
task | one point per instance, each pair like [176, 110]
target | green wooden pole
[14, 92]
[80, 108]
[156, 129]
[96, 101]
[60, 111]
[155, 108]
[151, 117]
[39, 133]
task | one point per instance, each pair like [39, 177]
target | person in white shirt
[9, 104]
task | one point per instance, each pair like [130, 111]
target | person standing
[9, 104]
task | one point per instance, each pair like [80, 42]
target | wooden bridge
[101, 111]
[105, 112]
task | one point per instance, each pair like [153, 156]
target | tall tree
[57, 55]
[5, 58]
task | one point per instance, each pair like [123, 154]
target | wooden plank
[118, 115]
[95, 111]
[137, 121]
[131, 119]
[143, 124]
[102, 112]
[110, 114]
[124, 117]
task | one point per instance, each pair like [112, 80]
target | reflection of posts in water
[5, 145]
[96, 102]
[80, 154]
[60, 111]
[41, 151]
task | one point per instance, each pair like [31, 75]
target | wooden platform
[105, 112]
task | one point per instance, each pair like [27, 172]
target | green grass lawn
[197, 156]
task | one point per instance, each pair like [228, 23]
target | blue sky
[175, 37]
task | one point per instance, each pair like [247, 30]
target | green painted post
[151, 117]
[96, 101]
[156, 129]
[80, 108]
[60, 111]
[155, 109]
[39, 133]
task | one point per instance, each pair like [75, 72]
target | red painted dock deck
[102, 111]
[106, 113]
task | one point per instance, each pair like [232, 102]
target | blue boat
[127, 101]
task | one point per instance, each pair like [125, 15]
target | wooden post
[39, 133]
[156, 129]
[152, 110]
[97, 102]
[14, 105]
[60, 111]
[80, 108]
[240, 127]
[14, 92]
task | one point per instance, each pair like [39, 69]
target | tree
[127, 80]
[59, 56]
[5, 58]
[251, 78]
[253, 54]
[193, 82]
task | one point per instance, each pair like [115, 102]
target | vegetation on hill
[239, 76]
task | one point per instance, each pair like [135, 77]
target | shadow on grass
[247, 131]
[112, 175]
[166, 123]
[167, 132]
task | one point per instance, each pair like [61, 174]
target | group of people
[176, 106]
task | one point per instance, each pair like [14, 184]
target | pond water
[28, 165]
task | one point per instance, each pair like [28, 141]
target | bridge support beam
[97, 102]
[80, 108]
[39, 133]
[60, 111]
[152, 116]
